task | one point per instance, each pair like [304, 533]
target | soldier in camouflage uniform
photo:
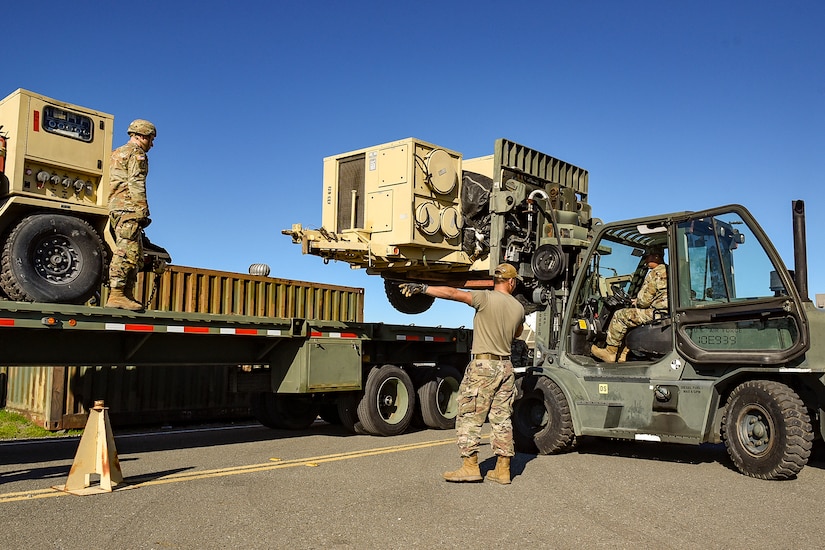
[652, 297]
[129, 213]
[488, 386]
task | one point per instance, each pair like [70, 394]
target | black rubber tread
[21, 281]
[372, 413]
[328, 411]
[541, 417]
[788, 424]
[432, 395]
[418, 303]
[257, 403]
[284, 412]
[347, 405]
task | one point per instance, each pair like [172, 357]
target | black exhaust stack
[800, 255]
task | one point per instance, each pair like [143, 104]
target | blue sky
[670, 105]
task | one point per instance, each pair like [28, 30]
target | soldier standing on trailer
[488, 386]
[129, 213]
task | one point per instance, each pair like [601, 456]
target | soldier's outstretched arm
[450, 293]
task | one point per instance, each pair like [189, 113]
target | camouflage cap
[142, 127]
[506, 271]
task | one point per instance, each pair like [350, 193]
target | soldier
[488, 385]
[652, 297]
[129, 213]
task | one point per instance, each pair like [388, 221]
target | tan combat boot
[608, 354]
[468, 472]
[623, 354]
[501, 473]
[119, 300]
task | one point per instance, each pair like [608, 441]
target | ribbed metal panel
[59, 397]
[532, 162]
[192, 290]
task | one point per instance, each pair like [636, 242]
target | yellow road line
[274, 464]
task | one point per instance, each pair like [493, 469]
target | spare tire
[52, 258]
[417, 303]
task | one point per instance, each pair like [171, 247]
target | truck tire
[438, 399]
[418, 303]
[388, 403]
[285, 412]
[348, 413]
[541, 417]
[52, 258]
[767, 430]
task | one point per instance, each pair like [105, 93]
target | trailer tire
[541, 417]
[285, 412]
[388, 403]
[348, 411]
[417, 303]
[438, 399]
[257, 402]
[767, 430]
[52, 258]
[329, 413]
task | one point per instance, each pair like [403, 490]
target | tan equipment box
[57, 151]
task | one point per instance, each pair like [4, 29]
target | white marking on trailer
[273, 332]
[175, 328]
[788, 369]
[115, 326]
[647, 437]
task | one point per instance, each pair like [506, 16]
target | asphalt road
[251, 487]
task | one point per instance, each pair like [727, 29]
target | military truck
[54, 188]
[737, 357]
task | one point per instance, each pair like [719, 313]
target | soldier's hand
[408, 289]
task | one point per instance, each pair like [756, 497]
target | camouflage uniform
[488, 386]
[128, 211]
[652, 297]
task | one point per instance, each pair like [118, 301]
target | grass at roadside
[16, 426]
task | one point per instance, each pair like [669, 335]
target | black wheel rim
[56, 259]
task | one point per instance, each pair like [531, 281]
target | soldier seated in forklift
[648, 305]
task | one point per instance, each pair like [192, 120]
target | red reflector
[140, 328]
[315, 334]
[198, 330]
[251, 331]
[7, 322]
[348, 335]
[412, 338]
[36, 121]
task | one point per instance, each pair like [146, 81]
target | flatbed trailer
[371, 377]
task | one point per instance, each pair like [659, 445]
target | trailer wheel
[767, 430]
[389, 401]
[285, 412]
[418, 303]
[541, 417]
[329, 413]
[438, 399]
[52, 258]
[257, 403]
[347, 405]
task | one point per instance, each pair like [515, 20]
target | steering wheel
[622, 297]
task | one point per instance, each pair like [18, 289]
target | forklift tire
[541, 417]
[767, 430]
[389, 401]
[52, 258]
[438, 399]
